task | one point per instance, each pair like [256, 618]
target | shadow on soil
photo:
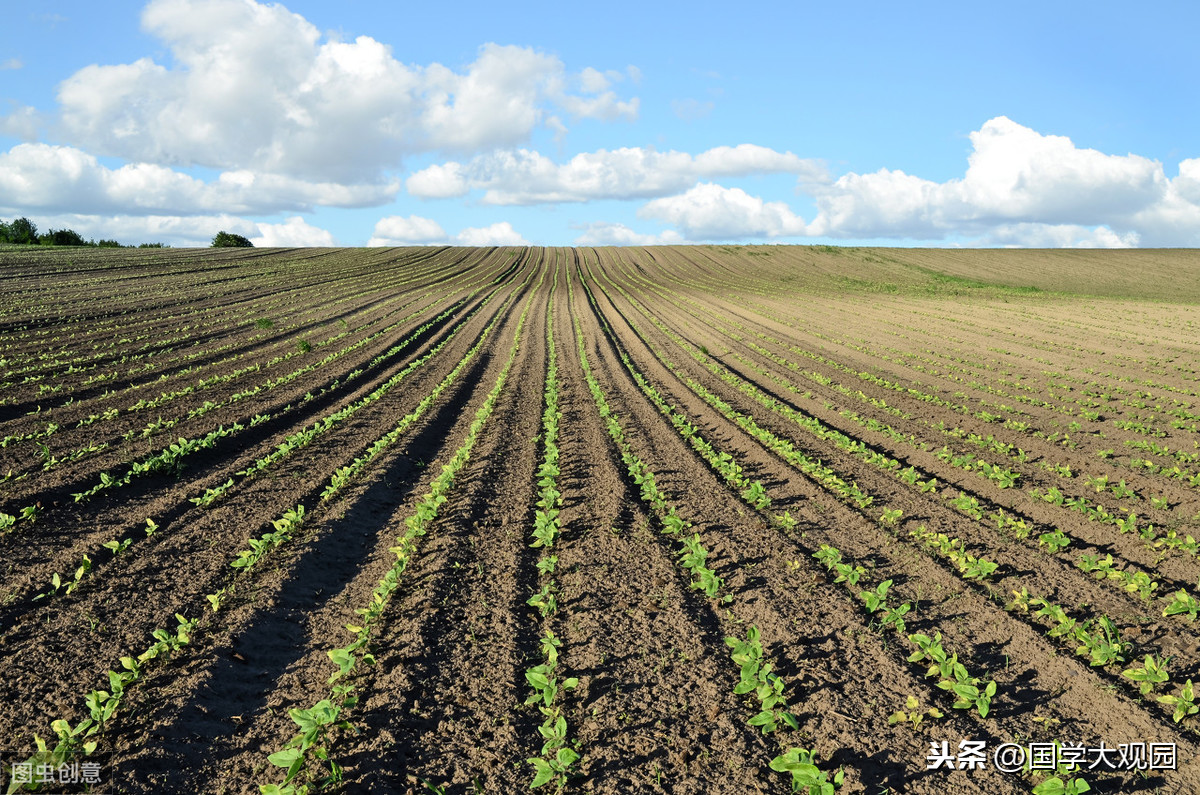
[325, 568]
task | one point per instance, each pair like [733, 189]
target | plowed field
[679, 519]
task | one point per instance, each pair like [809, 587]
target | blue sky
[364, 122]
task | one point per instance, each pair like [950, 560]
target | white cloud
[605, 104]
[712, 212]
[1016, 172]
[253, 86]
[41, 176]
[609, 234]
[295, 232]
[443, 181]
[880, 204]
[414, 230]
[594, 81]
[1188, 181]
[1020, 187]
[11, 63]
[498, 234]
[728, 161]
[411, 231]
[22, 123]
[606, 107]
[691, 109]
[526, 177]
[1056, 236]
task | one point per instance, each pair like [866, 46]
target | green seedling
[1182, 604]
[968, 694]
[973, 568]
[1153, 672]
[72, 744]
[1123, 491]
[785, 521]
[953, 674]
[828, 555]
[673, 524]
[80, 573]
[545, 685]
[1097, 566]
[555, 770]
[849, 574]
[117, 547]
[316, 727]
[1100, 640]
[215, 599]
[756, 495]
[55, 584]
[757, 678]
[806, 776]
[877, 599]
[914, 715]
[1056, 786]
[545, 600]
[894, 617]
[692, 556]
[1055, 541]
[1184, 703]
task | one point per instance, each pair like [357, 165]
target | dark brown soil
[908, 353]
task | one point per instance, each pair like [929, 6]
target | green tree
[62, 237]
[225, 239]
[23, 231]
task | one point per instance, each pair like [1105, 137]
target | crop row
[756, 675]
[311, 747]
[72, 739]
[963, 562]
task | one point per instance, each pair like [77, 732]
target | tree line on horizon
[23, 232]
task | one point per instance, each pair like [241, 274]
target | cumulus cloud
[1020, 187]
[23, 122]
[293, 232]
[442, 181]
[1056, 236]
[10, 64]
[609, 234]
[411, 231]
[41, 176]
[498, 234]
[597, 82]
[527, 177]
[414, 230]
[254, 86]
[712, 212]
[1187, 184]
